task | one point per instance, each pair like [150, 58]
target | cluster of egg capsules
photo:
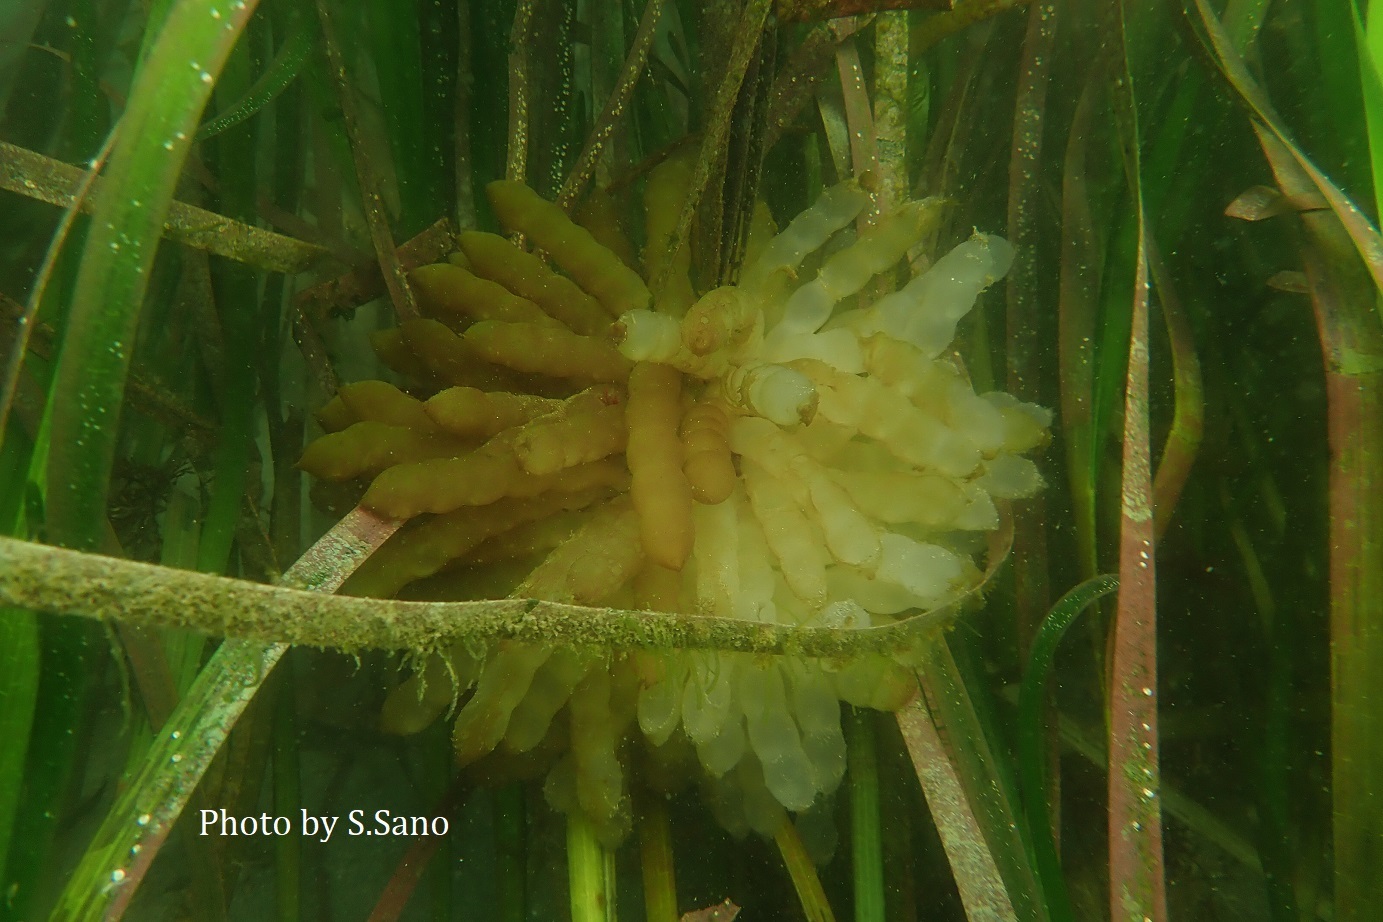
[771, 451]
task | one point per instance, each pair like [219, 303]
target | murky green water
[789, 504]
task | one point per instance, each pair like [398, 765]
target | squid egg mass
[780, 451]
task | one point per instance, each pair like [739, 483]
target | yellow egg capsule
[452, 359]
[469, 411]
[479, 478]
[590, 426]
[540, 537]
[792, 537]
[426, 546]
[444, 484]
[663, 199]
[599, 214]
[887, 416]
[850, 269]
[422, 698]
[456, 296]
[896, 497]
[722, 319]
[662, 495]
[392, 349]
[334, 415]
[778, 393]
[539, 349]
[600, 558]
[806, 233]
[762, 229]
[1026, 425]
[369, 447]
[709, 467]
[383, 403]
[594, 267]
[504, 681]
[656, 588]
[527, 276]
[849, 536]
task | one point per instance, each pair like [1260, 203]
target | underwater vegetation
[797, 458]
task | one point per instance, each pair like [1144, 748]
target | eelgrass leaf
[516, 149]
[1031, 755]
[802, 870]
[613, 107]
[1365, 236]
[45, 179]
[391, 32]
[949, 778]
[1027, 301]
[1352, 343]
[414, 862]
[143, 815]
[19, 675]
[169, 94]
[236, 295]
[1188, 413]
[25, 328]
[18, 22]
[282, 71]
[1369, 48]
[589, 873]
[746, 39]
[866, 836]
[656, 860]
[371, 189]
[1082, 261]
[1137, 882]
[19, 660]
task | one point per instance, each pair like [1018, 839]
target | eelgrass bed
[757, 533]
